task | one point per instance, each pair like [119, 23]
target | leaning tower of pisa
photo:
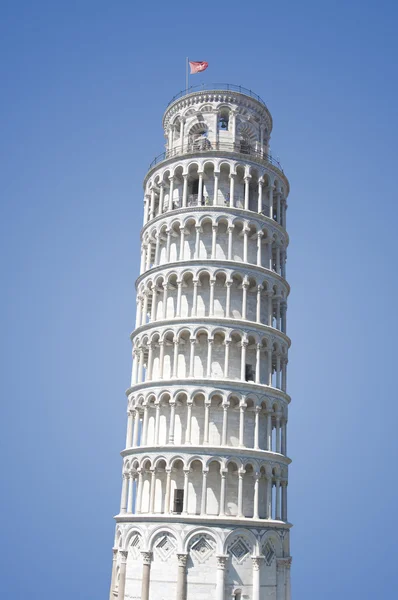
[203, 512]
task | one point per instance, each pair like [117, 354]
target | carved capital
[221, 561]
[123, 555]
[182, 560]
[146, 558]
[257, 560]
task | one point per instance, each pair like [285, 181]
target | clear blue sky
[83, 88]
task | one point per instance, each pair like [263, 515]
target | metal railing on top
[204, 145]
[213, 87]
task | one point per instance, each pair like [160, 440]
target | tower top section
[206, 97]
[218, 118]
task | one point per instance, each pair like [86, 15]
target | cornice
[237, 156]
[223, 211]
[240, 99]
[207, 520]
[247, 326]
[244, 388]
[226, 264]
[217, 451]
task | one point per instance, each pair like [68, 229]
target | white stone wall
[208, 403]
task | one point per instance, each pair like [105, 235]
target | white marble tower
[203, 513]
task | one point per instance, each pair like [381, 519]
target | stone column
[243, 360]
[270, 244]
[200, 188]
[224, 424]
[230, 241]
[245, 285]
[181, 577]
[122, 574]
[114, 565]
[269, 497]
[167, 494]
[280, 579]
[216, 174]
[242, 425]
[123, 502]
[247, 182]
[209, 353]
[269, 431]
[129, 436]
[197, 241]
[240, 493]
[154, 303]
[231, 189]
[194, 297]
[130, 494]
[206, 425]
[255, 503]
[284, 500]
[134, 374]
[150, 362]
[260, 195]
[192, 357]
[204, 492]
[148, 256]
[138, 316]
[186, 483]
[165, 293]
[245, 241]
[256, 561]
[168, 244]
[214, 241]
[269, 353]
[259, 247]
[144, 440]
[189, 422]
[278, 432]
[258, 363]
[157, 423]
[228, 300]
[175, 358]
[161, 358]
[278, 499]
[182, 242]
[226, 358]
[211, 302]
[145, 308]
[172, 422]
[152, 493]
[223, 473]
[136, 427]
[139, 491]
[161, 197]
[257, 411]
[171, 193]
[185, 191]
[179, 293]
[288, 593]
[152, 210]
[271, 202]
[146, 574]
[220, 582]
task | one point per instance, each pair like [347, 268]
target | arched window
[223, 120]
[237, 595]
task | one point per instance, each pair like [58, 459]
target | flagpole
[186, 74]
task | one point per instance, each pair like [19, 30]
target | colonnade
[236, 358]
[265, 199]
[283, 582]
[270, 250]
[218, 296]
[265, 430]
[258, 494]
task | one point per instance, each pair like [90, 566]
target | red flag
[198, 66]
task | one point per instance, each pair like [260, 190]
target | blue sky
[83, 88]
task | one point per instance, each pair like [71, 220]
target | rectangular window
[178, 501]
[249, 373]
